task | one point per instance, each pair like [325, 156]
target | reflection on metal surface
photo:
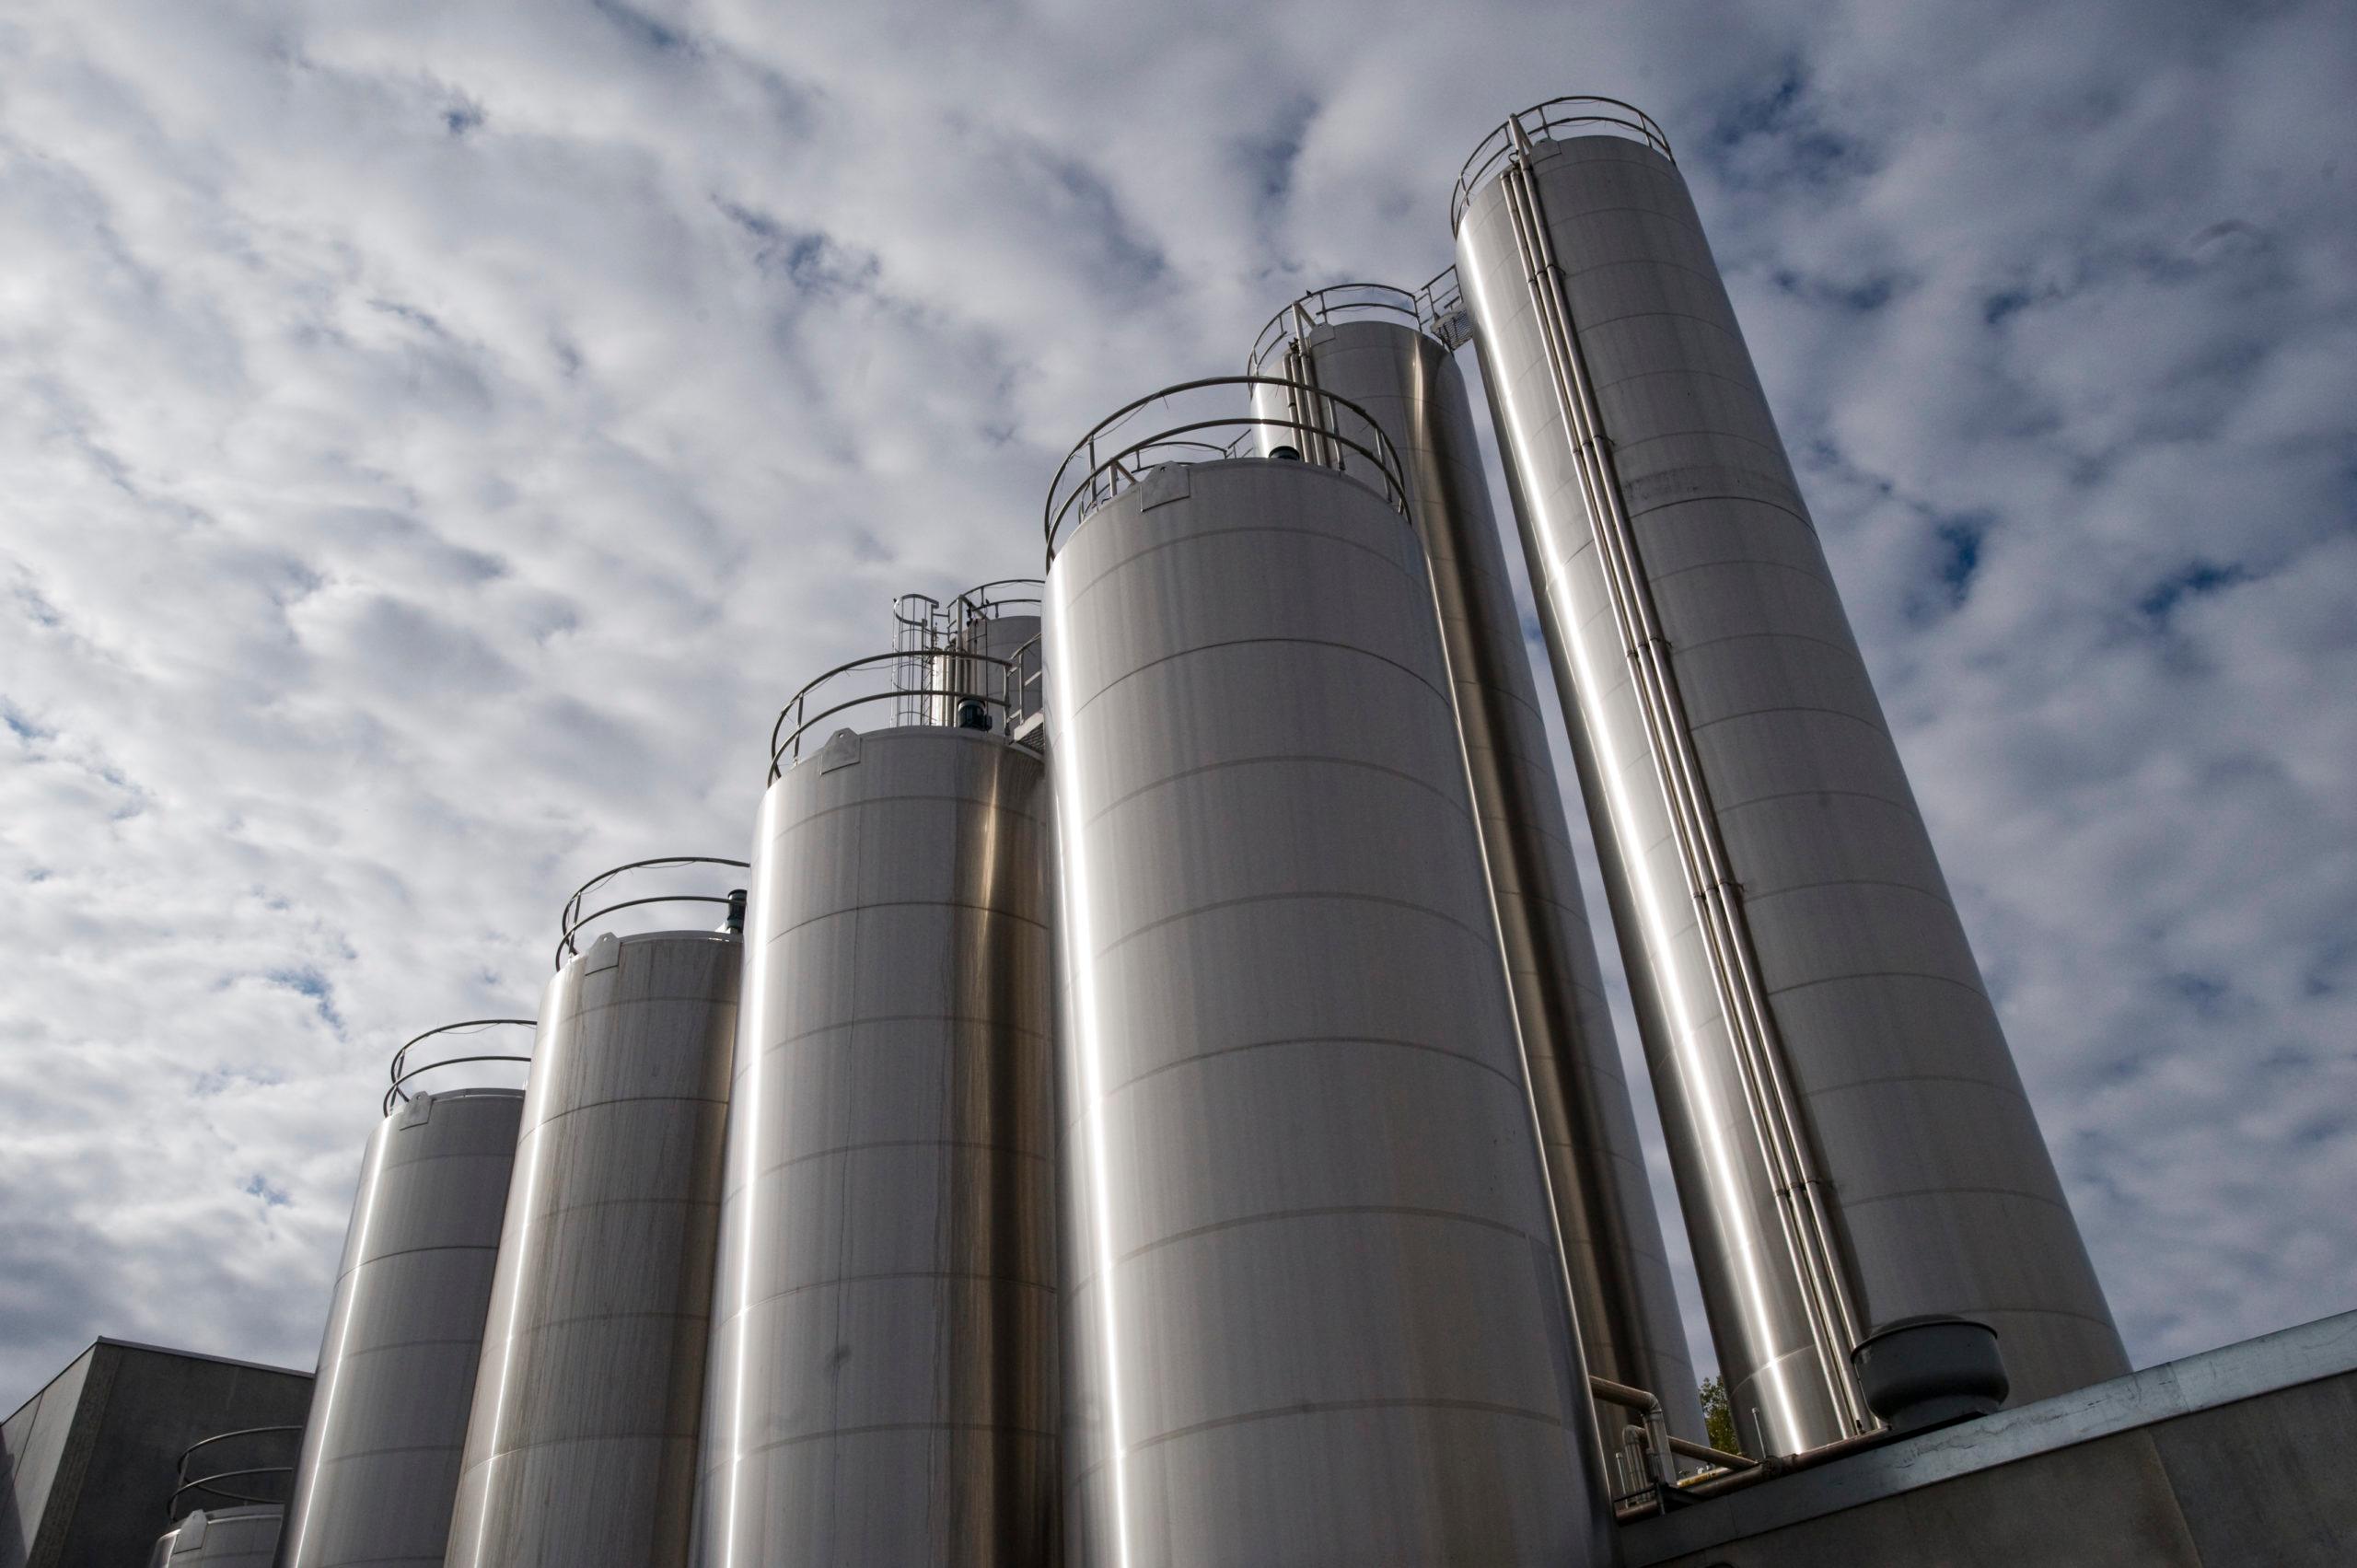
[1621, 1291]
[883, 1386]
[1848, 1130]
[581, 1447]
[1317, 1308]
[397, 1368]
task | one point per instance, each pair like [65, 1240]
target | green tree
[1718, 1420]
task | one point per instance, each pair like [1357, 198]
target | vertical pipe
[1846, 1124]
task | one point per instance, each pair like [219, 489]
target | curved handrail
[1325, 305]
[1494, 147]
[212, 1482]
[571, 920]
[1106, 477]
[401, 1072]
[979, 599]
[783, 741]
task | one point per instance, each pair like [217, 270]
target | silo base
[2236, 1455]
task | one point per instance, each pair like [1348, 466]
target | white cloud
[434, 440]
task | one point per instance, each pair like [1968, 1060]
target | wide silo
[380, 1454]
[1317, 1309]
[1368, 343]
[1851, 1139]
[883, 1388]
[589, 1399]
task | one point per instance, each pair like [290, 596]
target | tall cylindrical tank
[588, 1403]
[1851, 1139]
[1317, 1309]
[242, 1537]
[1365, 343]
[883, 1387]
[397, 1369]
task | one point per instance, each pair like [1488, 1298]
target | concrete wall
[2241, 1456]
[92, 1459]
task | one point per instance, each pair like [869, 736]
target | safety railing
[1324, 429]
[986, 698]
[403, 1072]
[1336, 302]
[1441, 303]
[215, 1483]
[1586, 116]
[928, 630]
[1437, 308]
[576, 915]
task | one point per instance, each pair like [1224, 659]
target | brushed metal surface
[162, 1555]
[243, 1537]
[397, 1368]
[1943, 1194]
[581, 1448]
[1622, 1294]
[1317, 1312]
[883, 1388]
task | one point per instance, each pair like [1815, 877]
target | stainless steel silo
[1318, 1312]
[1367, 343]
[245, 1535]
[883, 1388]
[588, 1402]
[380, 1454]
[1849, 1135]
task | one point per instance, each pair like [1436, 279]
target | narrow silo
[1851, 1139]
[380, 1454]
[883, 1387]
[587, 1404]
[1317, 1309]
[1368, 343]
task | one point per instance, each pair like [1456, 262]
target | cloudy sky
[435, 437]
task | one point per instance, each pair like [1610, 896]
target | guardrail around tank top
[1319, 427]
[403, 1072]
[1436, 309]
[575, 917]
[213, 1483]
[1584, 115]
[966, 703]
